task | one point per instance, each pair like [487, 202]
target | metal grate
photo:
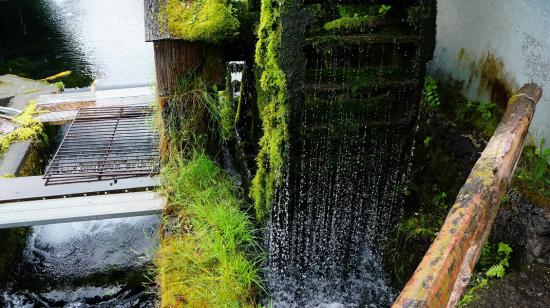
[105, 144]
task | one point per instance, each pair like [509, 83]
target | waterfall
[349, 157]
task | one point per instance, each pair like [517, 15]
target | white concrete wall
[514, 31]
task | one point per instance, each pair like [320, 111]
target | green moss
[211, 21]
[29, 128]
[203, 258]
[272, 107]
[359, 23]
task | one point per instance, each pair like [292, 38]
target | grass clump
[211, 21]
[533, 174]
[273, 109]
[203, 261]
[29, 128]
[204, 258]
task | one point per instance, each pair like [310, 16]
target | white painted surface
[516, 31]
[51, 211]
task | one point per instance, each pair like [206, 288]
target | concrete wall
[496, 44]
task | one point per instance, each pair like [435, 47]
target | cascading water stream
[349, 159]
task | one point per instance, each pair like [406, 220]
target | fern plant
[431, 94]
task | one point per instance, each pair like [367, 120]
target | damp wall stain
[494, 47]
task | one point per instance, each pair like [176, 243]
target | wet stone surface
[526, 227]
[528, 287]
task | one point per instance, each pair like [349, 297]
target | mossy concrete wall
[494, 46]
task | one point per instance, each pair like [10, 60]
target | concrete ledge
[12, 160]
[33, 187]
[40, 212]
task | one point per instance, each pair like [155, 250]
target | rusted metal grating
[105, 144]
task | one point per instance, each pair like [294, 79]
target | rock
[525, 226]
[16, 91]
[527, 287]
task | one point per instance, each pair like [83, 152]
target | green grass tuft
[204, 261]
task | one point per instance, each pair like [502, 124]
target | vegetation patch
[211, 21]
[208, 256]
[272, 96]
[533, 174]
[203, 256]
[29, 128]
[493, 264]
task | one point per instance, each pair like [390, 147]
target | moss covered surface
[211, 21]
[29, 128]
[273, 109]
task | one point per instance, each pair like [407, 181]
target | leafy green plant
[427, 222]
[384, 9]
[533, 174]
[431, 94]
[493, 263]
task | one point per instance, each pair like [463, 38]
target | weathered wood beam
[445, 270]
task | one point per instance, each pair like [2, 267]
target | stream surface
[96, 263]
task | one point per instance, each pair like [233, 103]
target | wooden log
[174, 59]
[445, 270]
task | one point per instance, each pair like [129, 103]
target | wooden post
[174, 59]
[445, 270]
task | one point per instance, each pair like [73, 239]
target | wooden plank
[92, 96]
[445, 270]
[33, 187]
[40, 212]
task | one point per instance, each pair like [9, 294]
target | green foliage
[384, 9]
[482, 115]
[203, 259]
[533, 174]
[29, 128]
[191, 114]
[273, 109]
[211, 21]
[431, 95]
[427, 222]
[493, 263]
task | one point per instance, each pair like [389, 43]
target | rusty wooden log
[445, 270]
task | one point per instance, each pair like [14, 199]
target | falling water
[349, 163]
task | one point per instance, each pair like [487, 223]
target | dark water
[86, 264]
[99, 40]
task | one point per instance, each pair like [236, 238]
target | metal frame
[104, 144]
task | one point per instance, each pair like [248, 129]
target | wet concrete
[16, 91]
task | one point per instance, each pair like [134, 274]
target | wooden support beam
[445, 270]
